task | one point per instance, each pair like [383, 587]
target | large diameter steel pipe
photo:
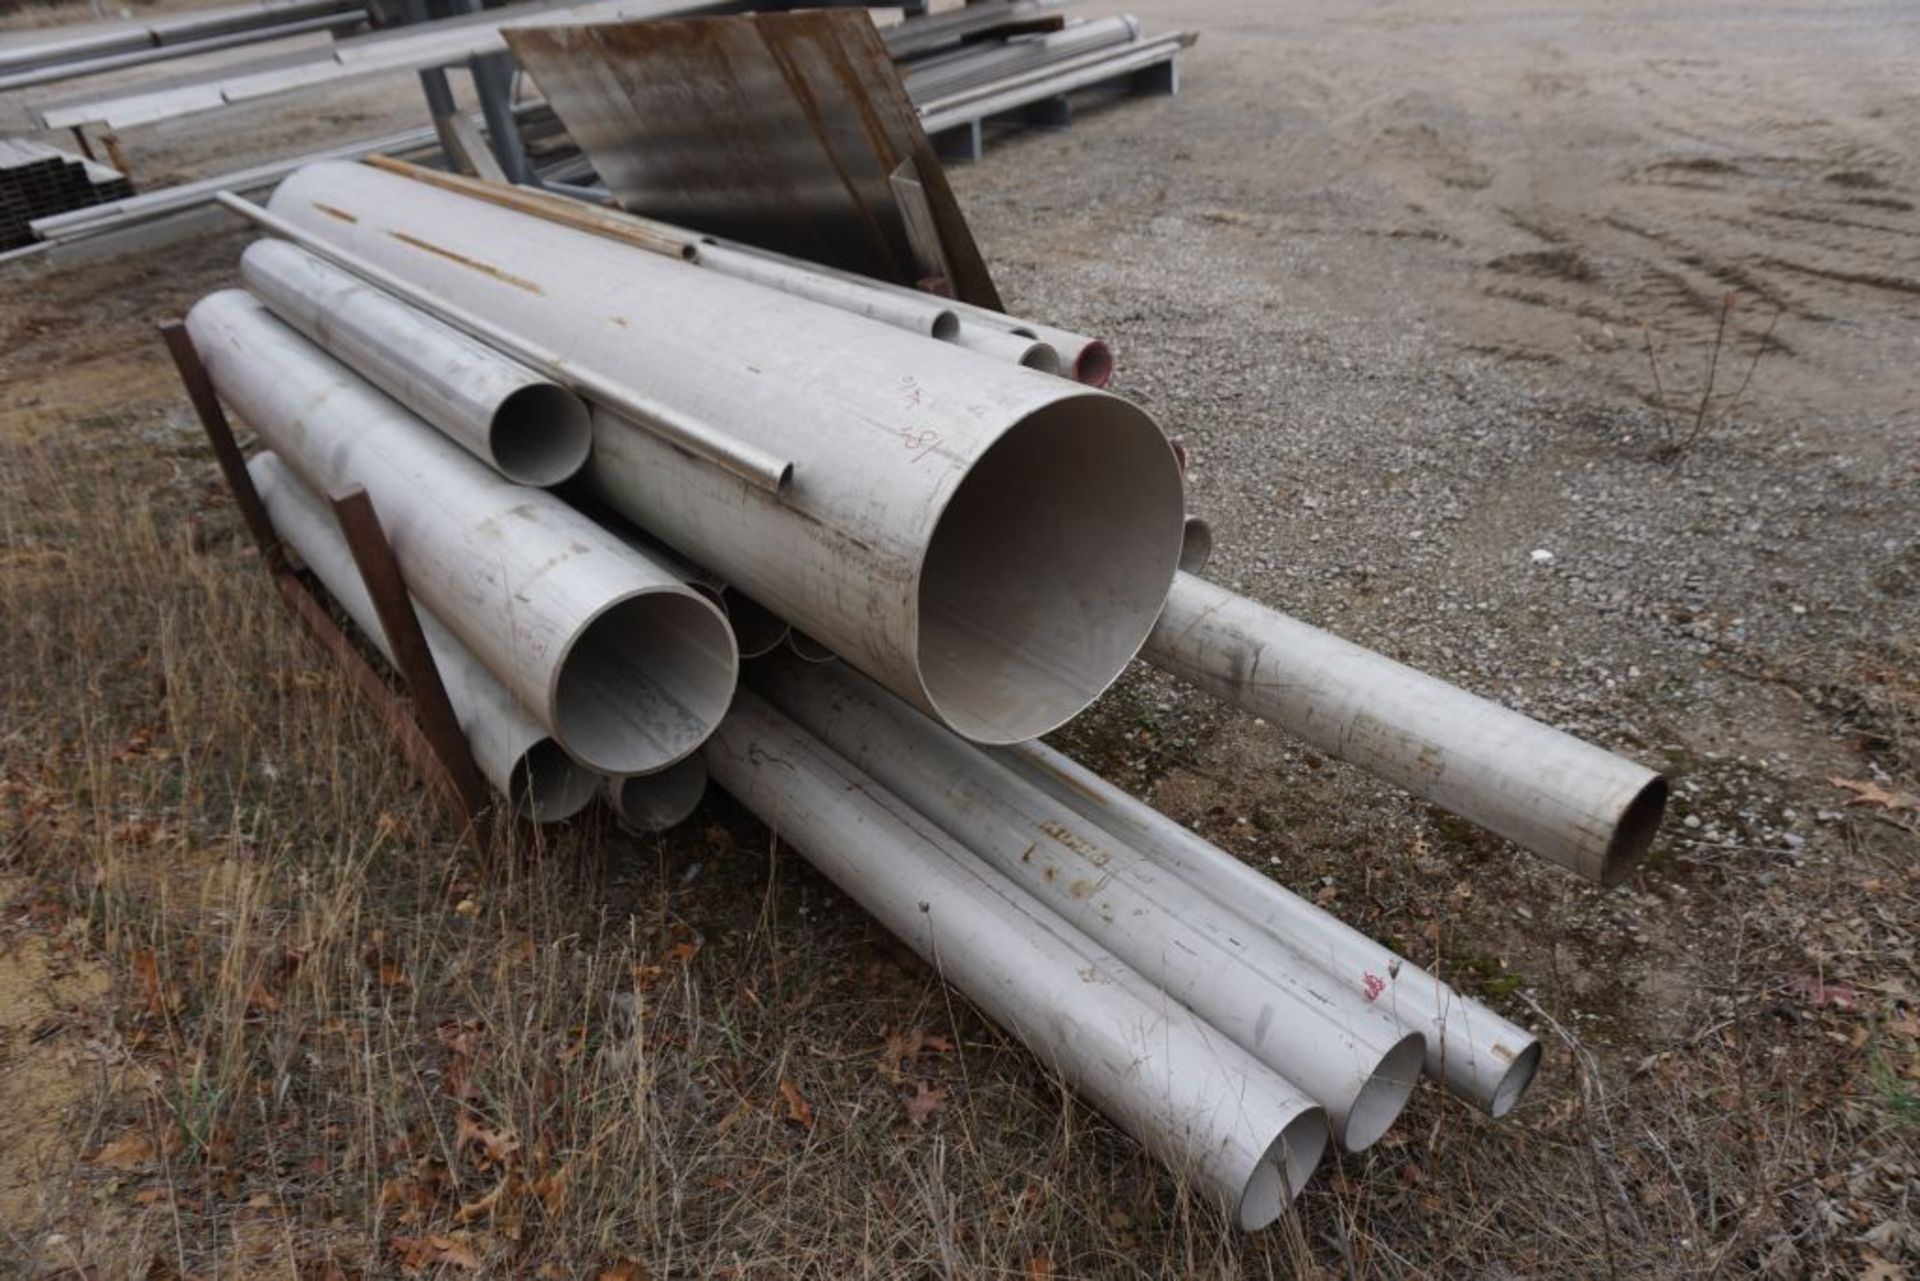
[516, 756]
[1343, 1050]
[521, 423]
[1198, 1102]
[1571, 803]
[1478, 1055]
[627, 667]
[988, 542]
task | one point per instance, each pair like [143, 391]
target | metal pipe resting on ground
[719, 449]
[1574, 804]
[522, 424]
[661, 800]
[1474, 1052]
[1196, 545]
[627, 667]
[517, 756]
[989, 543]
[1194, 1099]
[1342, 1050]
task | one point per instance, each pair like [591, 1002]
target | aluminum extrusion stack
[969, 546]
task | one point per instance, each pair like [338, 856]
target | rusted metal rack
[422, 720]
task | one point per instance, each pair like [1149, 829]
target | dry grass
[338, 1042]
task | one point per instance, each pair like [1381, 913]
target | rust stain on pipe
[474, 264]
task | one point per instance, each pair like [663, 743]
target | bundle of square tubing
[827, 461]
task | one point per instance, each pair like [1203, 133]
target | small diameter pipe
[988, 542]
[1345, 1052]
[758, 630]
[916, 313]
[659, 801]
[728, 453]
[808, 650]
[521, 423]
[627, 667]
[519, 759]
[1478, 1055]
[1196, 545]
[1571, 803]
[1017, 348]
[1198, 1102]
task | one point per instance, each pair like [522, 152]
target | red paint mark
[1375, 985]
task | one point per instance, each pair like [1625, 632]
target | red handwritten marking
[1375, 985]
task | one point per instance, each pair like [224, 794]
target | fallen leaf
[925, 1102]
[482, 1207]
[495, 1146]
[627, 1269]
[417, 1254]
[797, 1106]
[1867, 792]
[128, 1152]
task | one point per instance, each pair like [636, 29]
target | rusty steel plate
[778, 130]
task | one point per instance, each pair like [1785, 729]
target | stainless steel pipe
[661, 800]
[1195, 1100]
[1018, 349]
[521, 423]
[987, 542]
[916, 313]
[627, 667]
[1344, 1051]
[1478, 1055]
[1574, 804]
[515, 755]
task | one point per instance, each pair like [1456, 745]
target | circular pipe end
[547, 786]
[1284, 1170]
[1633, 834]
[1513, 1085]
[1041, 356]
[1094, 364]
[756, 629]
[644, 682]
[946, 326]
[1047, 567]
[540, 435]
[1196, 545]
[1385, 1093]
[656, 802]
[808, 649]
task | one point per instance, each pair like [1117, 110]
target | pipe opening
[1094, 365]
[808, 649]
[644, 682]
[1041, 356]
[540, 434]
[547, 785]
[1196, 545]
[1514, 1084]
[1047, 568]
[756, 629]
[946, 326]
[1633, 834]
[656, 802]
[1284, 1170]
[1385, 1093]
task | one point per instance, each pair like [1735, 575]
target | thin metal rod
[729, 453]
[381, 573]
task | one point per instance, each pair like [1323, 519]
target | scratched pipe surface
[1341, 1048]
[660, 800]
[988, 542]
[521, 423]
[627, 667]
[515, 755]
[1478, 1055]
[1571, 803]
[1207, 1109]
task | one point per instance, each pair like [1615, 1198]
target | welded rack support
[422, 723]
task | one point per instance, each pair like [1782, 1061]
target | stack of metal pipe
[612, 457]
